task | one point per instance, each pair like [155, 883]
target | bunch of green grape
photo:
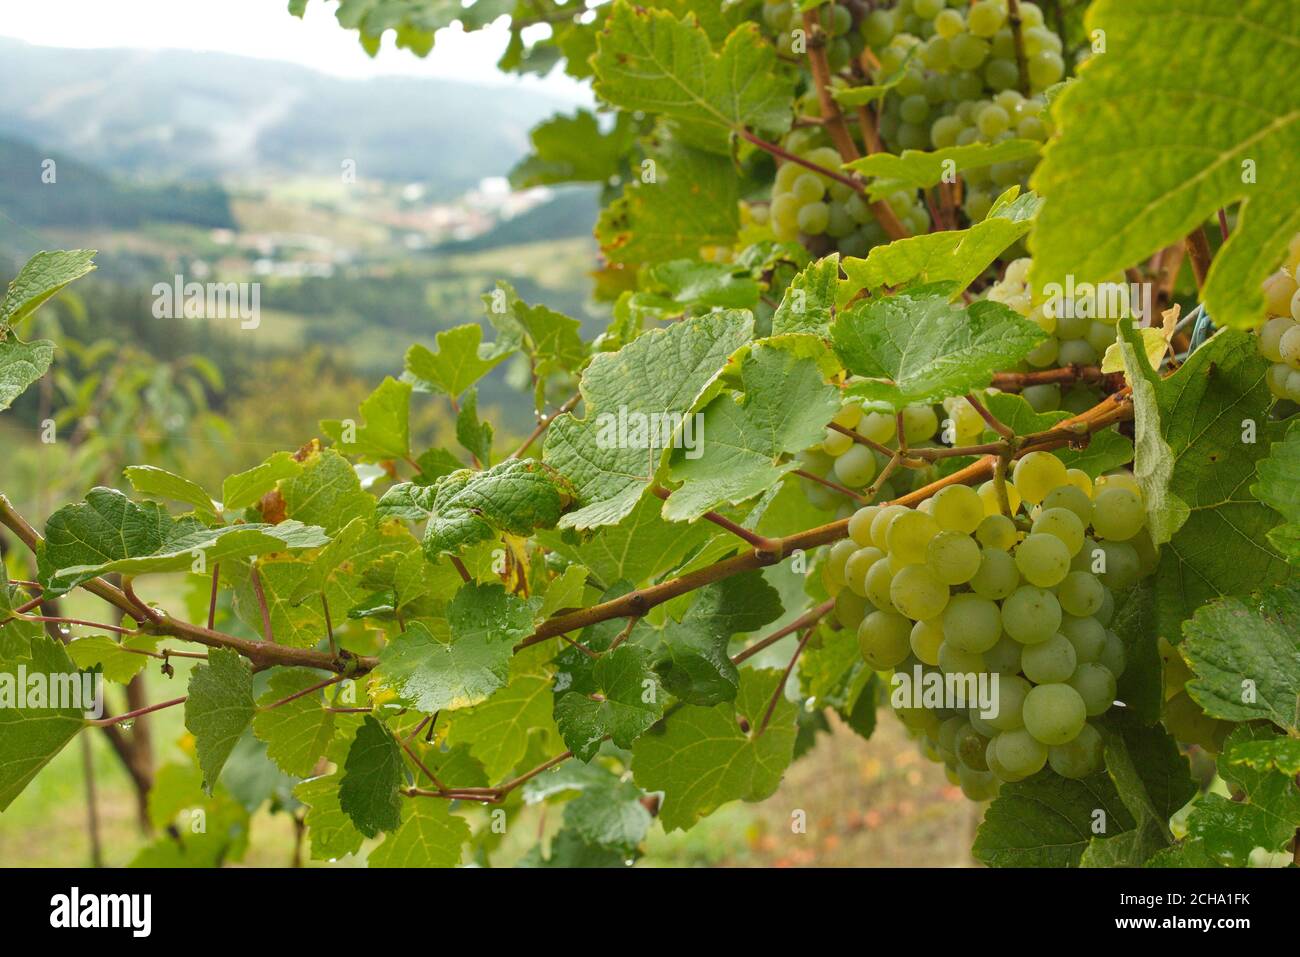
[825, 214]
[959, 83]
[964, 585]
[784, 18]
[1072, 338]
[1279, 337]
[843, 460]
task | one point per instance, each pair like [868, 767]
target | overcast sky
[264, 29]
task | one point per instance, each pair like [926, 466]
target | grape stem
[992, 421]
[780, 685]
[1018, 41]
[1087, 375]
[753, 538]
[543, 423]
[132, 715]
[805, 620]
[1000, 484]
[1198, 250]
[835, 486]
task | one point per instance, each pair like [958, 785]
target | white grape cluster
[783, 18]
[960, 82]
[1279, 337]
[961, 587]
[825, 214]
[1072, 339]
[845, 461]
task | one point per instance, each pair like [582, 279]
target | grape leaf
[1267, 817]
[497, 730]
[433, 674]
[1200, 433]
[1154, 104]
[744, 443]
[15, 635]
[630, 700]
[110, 533]
[608, 813]
[457, 365]
[386, 433]
[415, 22]
[31, 736]
[1047, 821]
[429, 836]
[330, 830]
[473, 435]
[702, 285]
[326, 493]
[1279, 476]
[21, 364]
[372, 775]
[151, 480]
[1277, 752]
[244, 488]
[950, 255]
[1246, 656]
[920, 169]
[573, 149]
[40, 279]
[685, 200]
[296, 733]
[655, 380]
[120, 661]
[808, 305]
[1141, 686]
[701, 758]
[467, 507]
[917, 347]
[551, 339]
[218, 709]
[649, 60]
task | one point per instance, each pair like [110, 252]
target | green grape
[1086, 557]
[954, 661]
[1073, 498]
[857, 566]
[877, 27]
[1004, 657]
[1076, 352]
[1063, 524]
[986, 18]
[1079, 758]
[814, 218]
[1114, 658]
[1122, 565]
[849, 608]
[967, 51]
[849, 415]
[953, 557]
[977, 785]
[995, 766]
[1096, 686]
[919, 719]
[1043, 560]
[997, 576]
[841, 20]
[835, 560]
[919, 423]
[878, 427]
[1270, 337]
[992, 120]
[1031, 615]
[988, 493]
[996, 531]
[1107, 610]
[908, 537]
[927, 9]
[1031, 15]
[1081, 594]
[840, 223]
[912, 136]
[980, 725]
[1011, 692]
[883, 639]
[1001, 73]
[947, 736]
[970, 745]
[966, 86]
[860, 524]
[880, 524]
[1117, 480]
[786, 174]
[958, 508]
[1044, 354]
[971, 624]
[1071, 325]
[856, 467]
[1042, 398]
[859, 210]
[949, 23]
[925, 639]
[1054, 713]
[914, 109]
[1087, 635]
[836, 443]
[1050, 661]
[1036, 474]
[917, 593]
[1009, 100]
[1031, 128]
[1019, 753]
[877, 585]
[1117, 514]
[1045, 68]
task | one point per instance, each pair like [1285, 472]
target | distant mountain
[572, 212]
[198, 115]
[82, 196]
